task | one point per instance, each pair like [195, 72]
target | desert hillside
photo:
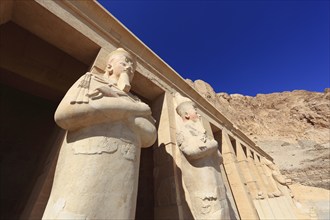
[293, 127]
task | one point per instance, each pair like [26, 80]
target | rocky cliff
[293, 127]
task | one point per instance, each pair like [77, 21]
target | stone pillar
[279, 204]
[261, 175]
[267, 186]
[255, 174]
[243, 201]
[244, 166]
[272, 186]
[169, 195]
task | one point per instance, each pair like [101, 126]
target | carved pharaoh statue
[279, 181]
[200, 165]
[97, 170]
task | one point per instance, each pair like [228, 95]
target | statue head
[186, 108]
[188, 111]
[120, 68]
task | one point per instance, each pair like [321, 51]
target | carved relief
[200, 164]
[97, 169]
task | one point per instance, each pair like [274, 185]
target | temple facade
[46, 46]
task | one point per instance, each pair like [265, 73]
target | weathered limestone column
[273, 191]
[267, 208]
[235, 177]
[279, 205]
[244, 166]
[97, 170]
[255, 175]
[167, 179]
[260, 175]
[265, 180]
[278, 181]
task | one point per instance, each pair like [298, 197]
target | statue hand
[101, 92]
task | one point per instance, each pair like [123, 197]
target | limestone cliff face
[293, 127]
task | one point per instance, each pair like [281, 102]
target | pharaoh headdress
[83, 86]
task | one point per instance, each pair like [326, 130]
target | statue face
[122, 64]
[191, 114]
[121, 70]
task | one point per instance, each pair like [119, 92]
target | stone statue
[97, 171]
[279, 181]
[200, 165]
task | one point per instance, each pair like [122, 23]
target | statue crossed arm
[197, 146]
[95, 99]
[102, 103]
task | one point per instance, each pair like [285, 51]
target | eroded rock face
[293, 127]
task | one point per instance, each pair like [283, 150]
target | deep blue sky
[245, 47]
